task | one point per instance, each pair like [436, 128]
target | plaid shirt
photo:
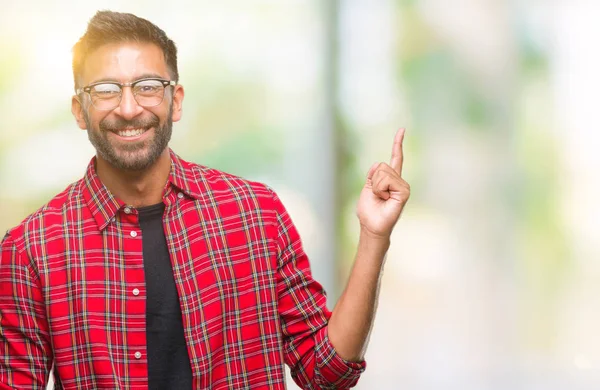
[72, 290]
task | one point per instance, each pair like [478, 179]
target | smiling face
[129, 137]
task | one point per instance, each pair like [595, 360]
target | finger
[386, 168]
[372, 171]
[382, 170]
[381, 190]
[379, 174]
[384, 184]
[381, 183]
[397, 153]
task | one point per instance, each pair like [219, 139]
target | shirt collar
[100, 201]
[104, 205]
[185, 176]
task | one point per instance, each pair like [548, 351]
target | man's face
[129, 137]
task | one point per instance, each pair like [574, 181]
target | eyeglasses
[106, 95]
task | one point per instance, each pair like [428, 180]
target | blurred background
[493, 277]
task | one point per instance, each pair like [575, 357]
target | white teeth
[131, 133]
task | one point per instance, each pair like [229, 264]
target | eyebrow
[140, 77]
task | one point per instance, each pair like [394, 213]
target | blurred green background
[492, 278]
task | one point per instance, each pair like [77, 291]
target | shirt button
[137, 355]
[127, 210]
[133, 233]
[180, 195]
[136, 292]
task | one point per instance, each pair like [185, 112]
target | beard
[131, 156]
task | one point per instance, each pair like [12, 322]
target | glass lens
[105, 96]
[148, 92]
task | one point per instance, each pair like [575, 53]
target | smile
[131, 132]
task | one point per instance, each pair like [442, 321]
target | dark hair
[114, 27]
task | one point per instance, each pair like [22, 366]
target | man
[152, 272]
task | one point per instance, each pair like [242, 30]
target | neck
[136, 188]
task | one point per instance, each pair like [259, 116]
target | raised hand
[384, 194]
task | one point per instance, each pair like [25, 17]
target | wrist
[372, 241]
[370, 236]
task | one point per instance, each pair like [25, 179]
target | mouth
[131, 134]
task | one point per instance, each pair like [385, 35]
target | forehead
[124, 61]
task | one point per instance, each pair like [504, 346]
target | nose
[128, 108]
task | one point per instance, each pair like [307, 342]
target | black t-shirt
[168, 359]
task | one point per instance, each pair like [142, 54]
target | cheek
[94, 119]
[91, 121]
[161, 114]
[87, 119]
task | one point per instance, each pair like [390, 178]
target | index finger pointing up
[397, 153]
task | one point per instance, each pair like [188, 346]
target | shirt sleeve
[313, 361]
[24, 338]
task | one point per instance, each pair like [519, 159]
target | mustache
[119, 124]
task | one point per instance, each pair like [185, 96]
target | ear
[178, 94]
[77, 111]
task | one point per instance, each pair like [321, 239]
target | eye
[105, 90]
[148, 87]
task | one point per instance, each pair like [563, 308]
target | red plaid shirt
[72, 290]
